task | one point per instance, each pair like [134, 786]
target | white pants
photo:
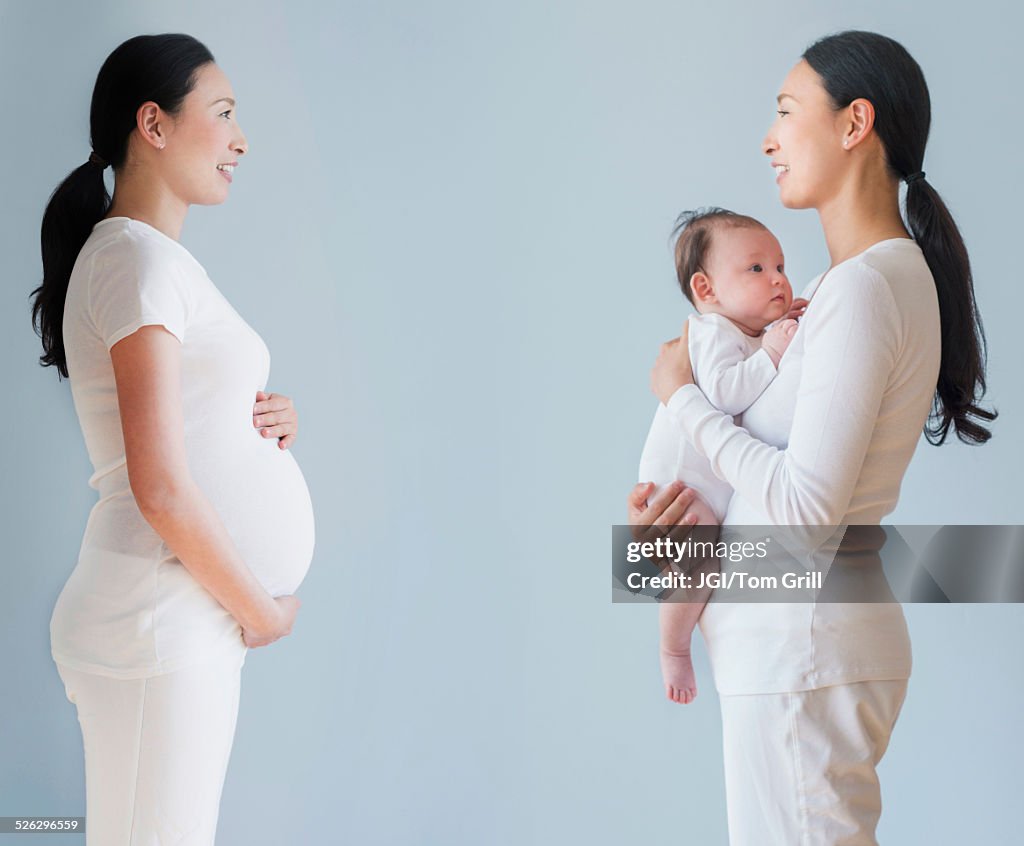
[156, 751]
[800, 767]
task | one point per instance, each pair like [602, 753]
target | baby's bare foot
[677, 673]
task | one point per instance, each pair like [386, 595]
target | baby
[730, 268]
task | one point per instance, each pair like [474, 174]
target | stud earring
[845, 143]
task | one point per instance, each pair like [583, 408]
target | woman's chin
[792, 200]
[212, 197]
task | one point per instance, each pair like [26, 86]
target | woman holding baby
[890, 343]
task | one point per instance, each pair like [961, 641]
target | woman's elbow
[158, 492]
[810, 512]
[805, 505]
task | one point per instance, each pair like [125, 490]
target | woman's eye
[225, 113]
[780, 113]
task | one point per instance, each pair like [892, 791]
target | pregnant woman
[204, 528]
[810, 692]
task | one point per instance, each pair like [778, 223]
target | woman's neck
[152, 204]
[864, 212]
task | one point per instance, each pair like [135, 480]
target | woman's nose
[768, 145]
[240, 145]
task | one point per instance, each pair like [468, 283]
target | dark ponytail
[157, 68]
[867, 65]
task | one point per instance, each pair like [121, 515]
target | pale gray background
[452, 231]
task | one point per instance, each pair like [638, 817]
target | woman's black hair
[867, 65]
[693, 233]
[157, 68]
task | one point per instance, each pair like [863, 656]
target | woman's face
[203, 141]
[807, 138]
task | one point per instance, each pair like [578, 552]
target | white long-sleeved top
[826, 443]
[732, 371]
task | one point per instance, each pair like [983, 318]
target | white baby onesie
[732, 370]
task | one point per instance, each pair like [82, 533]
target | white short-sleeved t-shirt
[130, 608]
[732, 370]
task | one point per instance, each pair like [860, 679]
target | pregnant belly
[261, 496]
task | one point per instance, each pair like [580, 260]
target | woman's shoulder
[120, 242]
[878, 272]
[127, 259]
[893, 273]
[854, 293]
[885, 293]
[892, 261]
[894, 257]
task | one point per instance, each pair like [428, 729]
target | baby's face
[747, 277]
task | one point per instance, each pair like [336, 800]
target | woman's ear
[703, 291]
[148, 120]
[861, 119]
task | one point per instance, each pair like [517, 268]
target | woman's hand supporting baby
[672, 370]
[671, 507]
[673, 512]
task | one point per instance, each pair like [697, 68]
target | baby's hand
[776, 340]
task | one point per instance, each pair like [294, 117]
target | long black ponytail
[157, 68]
[856, 64]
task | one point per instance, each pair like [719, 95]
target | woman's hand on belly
[277, 414]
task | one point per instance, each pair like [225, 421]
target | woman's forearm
[189, 524]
